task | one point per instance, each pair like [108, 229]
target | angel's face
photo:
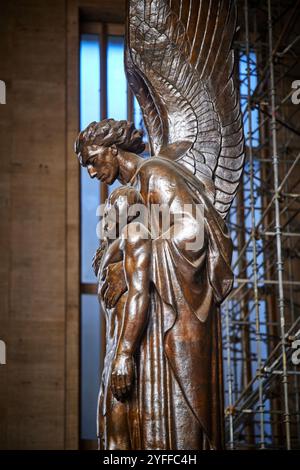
[102, 163]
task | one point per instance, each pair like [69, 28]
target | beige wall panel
[33, 396]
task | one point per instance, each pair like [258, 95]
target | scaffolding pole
[262, 313]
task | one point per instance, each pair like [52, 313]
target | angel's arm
[137, 255]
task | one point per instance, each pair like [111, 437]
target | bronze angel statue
[162, 379]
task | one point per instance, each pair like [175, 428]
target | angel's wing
[179, 63]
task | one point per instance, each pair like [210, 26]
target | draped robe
[177, 399]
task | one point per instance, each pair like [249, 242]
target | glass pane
[89, 111]
[116, 80]
[90, 364]
[251, 79]
[116, 84]
[138, 119]
[89, 79]
[90, 197]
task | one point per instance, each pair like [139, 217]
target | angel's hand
[122, 376]
[112, 284]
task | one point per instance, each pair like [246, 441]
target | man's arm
[110, 290]
[137, 259]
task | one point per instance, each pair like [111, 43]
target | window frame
[103, 31]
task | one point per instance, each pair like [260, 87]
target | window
[90, 199]
[103, 93]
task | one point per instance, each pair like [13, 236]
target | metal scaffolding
[261, 317]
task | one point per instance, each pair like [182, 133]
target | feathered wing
[179, 63]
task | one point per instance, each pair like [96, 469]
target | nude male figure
[127, 240]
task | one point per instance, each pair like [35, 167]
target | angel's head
[123, 206]
[98, 145]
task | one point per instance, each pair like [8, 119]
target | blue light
[90, 199]
[90, 364]
[244, 96]
[116, 79]
[89, 111]
[89, 79]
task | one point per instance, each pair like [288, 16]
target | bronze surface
[162, 380]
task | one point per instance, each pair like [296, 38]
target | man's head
[98, 145]
[122, 207]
